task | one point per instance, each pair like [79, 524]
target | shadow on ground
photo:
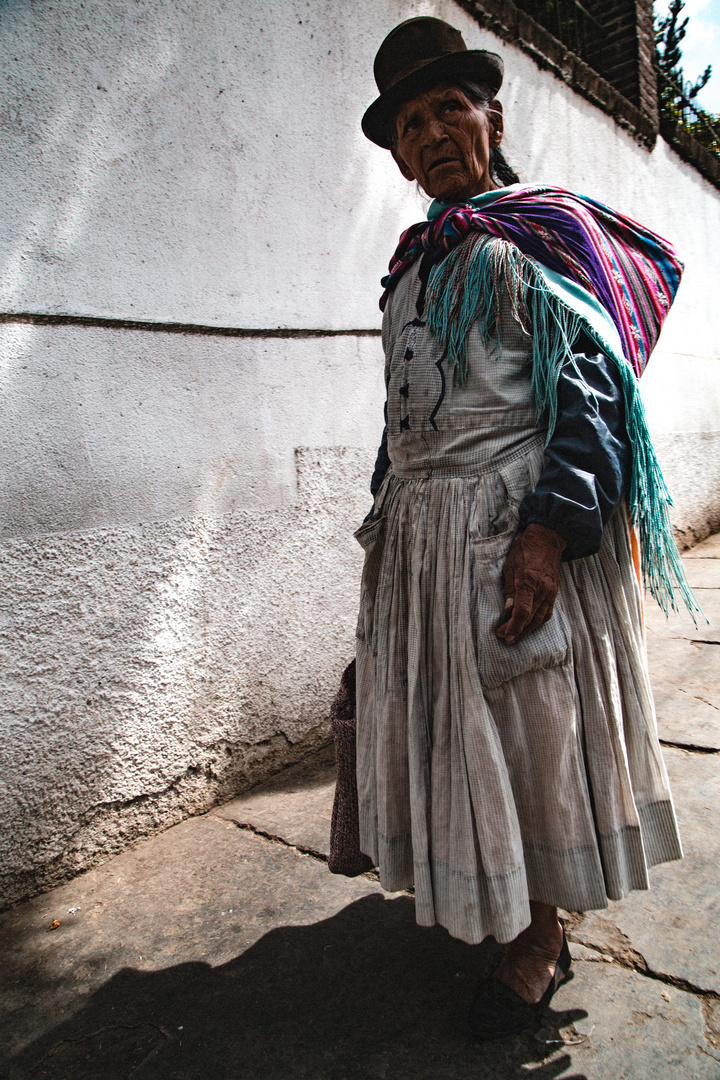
[365, 993]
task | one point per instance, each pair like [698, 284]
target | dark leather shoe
[497, 1010]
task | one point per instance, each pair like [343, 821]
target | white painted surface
[108, 427]
[219, 174]
[176, 611]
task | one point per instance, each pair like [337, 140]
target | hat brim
[477, 64]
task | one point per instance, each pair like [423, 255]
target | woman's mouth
[443, 161]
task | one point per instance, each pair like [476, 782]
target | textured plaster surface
[179, 577]
[691, 465]
[151, 669]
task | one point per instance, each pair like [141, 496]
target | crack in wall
[213, 769]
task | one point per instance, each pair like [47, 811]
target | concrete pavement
[224, 948]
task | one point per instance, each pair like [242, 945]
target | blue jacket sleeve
[382, 464]
[588, 459]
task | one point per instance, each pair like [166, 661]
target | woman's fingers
[540, 617]
[531, 579]
[525, 603]
[532, 606]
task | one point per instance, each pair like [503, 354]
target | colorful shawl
[633, 273]
[571, 264]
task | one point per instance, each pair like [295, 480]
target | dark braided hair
[500, 171]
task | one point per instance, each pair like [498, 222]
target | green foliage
[676, 94]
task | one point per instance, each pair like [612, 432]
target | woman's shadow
[365, 994]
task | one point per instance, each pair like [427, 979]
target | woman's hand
[532, 578]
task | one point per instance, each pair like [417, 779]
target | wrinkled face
[444, 142]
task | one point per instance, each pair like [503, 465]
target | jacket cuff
[580, 529]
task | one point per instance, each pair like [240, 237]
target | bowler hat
[415, 55]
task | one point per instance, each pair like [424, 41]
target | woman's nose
[434, 131]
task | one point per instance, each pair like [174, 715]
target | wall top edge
[505, 19]
[692, 151]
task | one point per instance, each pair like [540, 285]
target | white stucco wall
[177, 568]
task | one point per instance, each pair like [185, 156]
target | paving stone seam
[245, 826]
[699, 697]
[320, 856]
[707, 1052]
[632, 960]
[691, 748]
[102, 1031]
[635, 961]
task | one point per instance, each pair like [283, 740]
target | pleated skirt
[490, 775]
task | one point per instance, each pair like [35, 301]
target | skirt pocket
[548, 647]
[371, 537]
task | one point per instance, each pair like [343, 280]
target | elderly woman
[507, 755]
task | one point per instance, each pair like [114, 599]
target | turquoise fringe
[464, 290]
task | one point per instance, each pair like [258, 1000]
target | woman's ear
[495, 118]
[401, 164]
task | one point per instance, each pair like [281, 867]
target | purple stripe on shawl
[631, 271]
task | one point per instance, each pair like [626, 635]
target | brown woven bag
[345, 854]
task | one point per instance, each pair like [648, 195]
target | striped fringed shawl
[571, 264]
[632, 272]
